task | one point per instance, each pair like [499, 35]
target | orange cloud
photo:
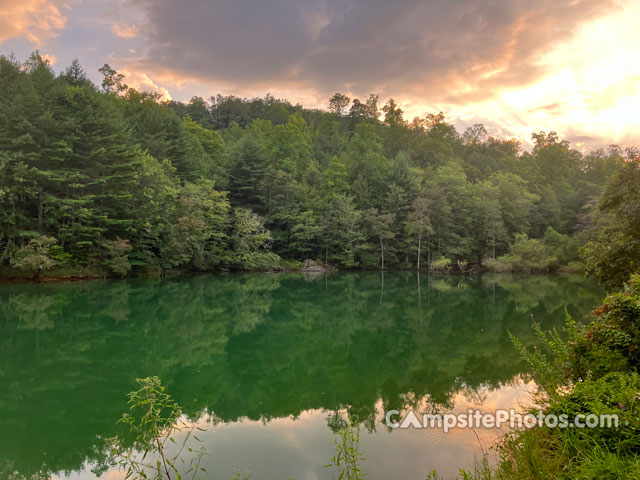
[124, 31]
[142, 82]
[587, 87]
[567, 65]
[47, 57]
[36, 20]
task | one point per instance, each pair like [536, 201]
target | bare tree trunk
[494, 242]
[382, 253]
[419, 246]
[40, 212]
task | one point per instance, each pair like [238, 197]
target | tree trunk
[494, 242]
[419, 247]
[40, 212]
[382, 253]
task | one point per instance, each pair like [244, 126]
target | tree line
[107, 177]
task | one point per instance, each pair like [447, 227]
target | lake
[268, 363]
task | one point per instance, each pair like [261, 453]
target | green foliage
[112, 80]
[380, 226]
[306, 234]
[289, 146]
[118, 256]
[35, 256]
[338, 104]
[249, 166]
[342, 235]
[441, 264]
[348, 457]
[530, 254]
[526, 255]
[335, 178]
[240, 475]
[516, 202]
[589, 369]
[199, 236]
[59, 256]
[9, 475]
[155, 425]
[612, 340]
[251, 242]
[209, 146]
[613, 250]
[563, 247]
[88, 166]
[418, 224]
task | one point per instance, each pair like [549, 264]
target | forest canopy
[110, 178]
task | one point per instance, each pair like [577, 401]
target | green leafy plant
[118, 256]
[348, 456]
[34, 256]
[586, 369]
[441, 265]
[154, 452]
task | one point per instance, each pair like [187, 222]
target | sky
[517, 66]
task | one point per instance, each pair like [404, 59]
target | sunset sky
[518, 66]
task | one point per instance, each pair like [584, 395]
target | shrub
[529, 255]
[441, 264]
[35, 256]
[563, 247]
[118, 256]
[526, 255]
[59, 256]
[589, 369]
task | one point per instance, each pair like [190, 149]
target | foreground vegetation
[110, 180]
[594, 370]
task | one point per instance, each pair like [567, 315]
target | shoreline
[16, 279]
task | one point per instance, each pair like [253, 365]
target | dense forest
[115, 180]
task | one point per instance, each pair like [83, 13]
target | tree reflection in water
[255, 346]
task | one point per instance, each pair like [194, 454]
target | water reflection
[258, 348]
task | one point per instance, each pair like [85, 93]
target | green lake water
[270, 361]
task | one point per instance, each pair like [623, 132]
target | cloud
[124, 31]
[460, 51]
[47, 57]
[142, 82]
[516, 65]
[115, 475]
[36, 20]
